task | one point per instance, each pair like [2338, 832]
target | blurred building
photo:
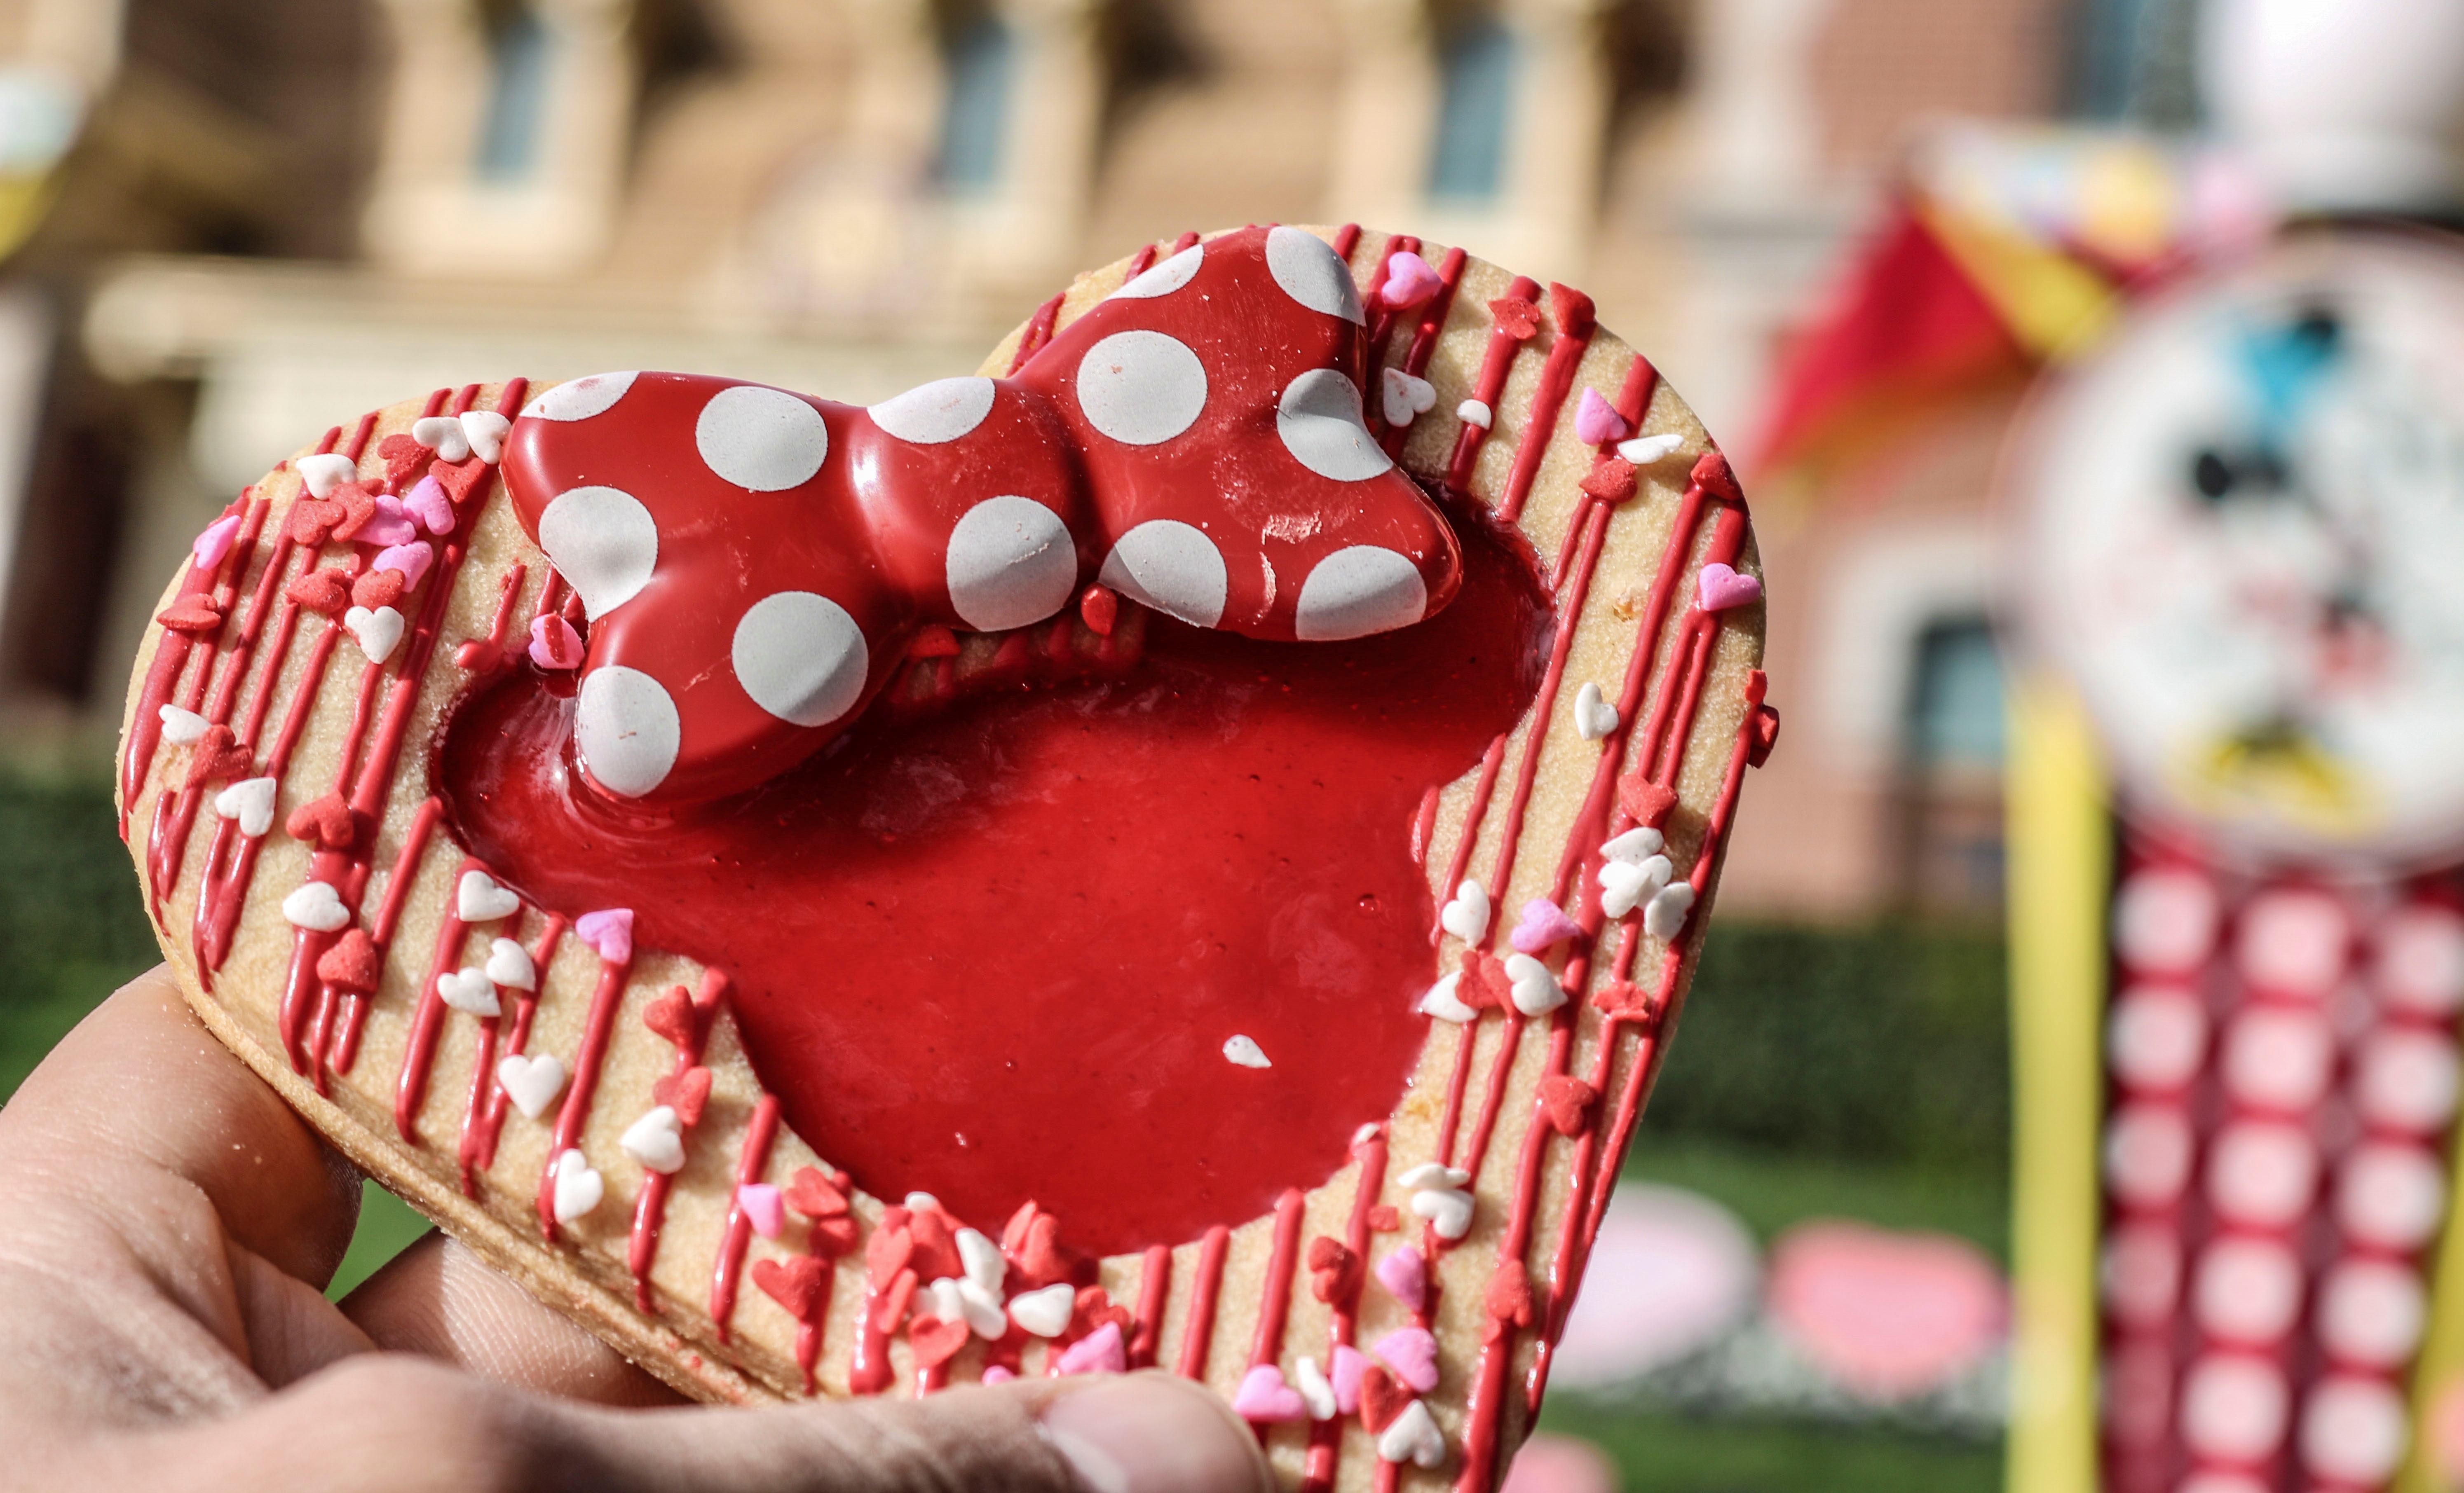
[263, 217]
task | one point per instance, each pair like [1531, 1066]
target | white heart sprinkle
[378, 631]
[955, 1299]
[1634, 846]
[486, 430]
[578, 1187]
[1467, 912]
[1244, 1052]
[478, 899]
[656, 1140]
[982, 1259]
[1445, 1004]
[251, 802]
[509, 964]
[326, 473]
[922, 1202]
[182, 727]
[1472, 412]
[1665, 916]
[1645, 449]
[1044, 1312]
[1627, 885]
[1434, 1174]
[1534, 991]
[442, 434]
[1315, 1391]
[1449, 1210]
[1406, 396]
[1594, 716]
[532, 1084]
[469, 989]
[1414, 1436]
[316, 907]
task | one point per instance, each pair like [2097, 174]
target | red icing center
[994, 953]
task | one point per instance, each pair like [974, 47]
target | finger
[142, 1081]
[389, 1422]
[440, 1300]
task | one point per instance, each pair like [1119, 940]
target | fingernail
[1149, 1433]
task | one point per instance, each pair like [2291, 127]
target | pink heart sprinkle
[609, 931]
[1596, 421]
[390, 525]
[995, 1374]
[412, 559]
[1719, 587]
[1405, 1275]
[1413, 1354]
[1263, 1396]
[1409, 280]
[762, 1204]
[1544, 923]
[428, 503]
[554, 643]
[215, 542]
[1350, 1364]
[1099, 1352]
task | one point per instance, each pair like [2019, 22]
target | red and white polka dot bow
[754, 563]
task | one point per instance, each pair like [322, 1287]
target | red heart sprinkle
[810, 1193]
[325, 824]
[793, 1284]
[1610, 481]
[1573, 310]
[311, 521]
[684, 1092]
[359, 503]
[933, 642]
[835, 1237]
[889, 1308]
[1385, 1218]
[1033, 1245]
[1624, 999]
[216, 756]
[1644, 802]
[1485, 985]
[672, 1016]
[1765, 735]
[1381, 1398]
[459, 479]
[1336, 1270]
[934, 1250]
[377, 588]
[1516, 316]
[1568, 1101]
[1714, 476]
[1101, 609]
[194, 612]
[403, 456]
[326, 591]
[351, 964]
[1095, 1311]
[887, 1251]
[935, 1342]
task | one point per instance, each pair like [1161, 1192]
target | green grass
[1664, 1454]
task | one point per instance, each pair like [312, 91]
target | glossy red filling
[994, 953]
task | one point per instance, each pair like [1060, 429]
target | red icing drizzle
[1198, 1335]
[751, 1161]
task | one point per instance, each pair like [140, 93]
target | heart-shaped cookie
[1139, 857]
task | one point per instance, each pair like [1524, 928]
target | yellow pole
[2061, 871]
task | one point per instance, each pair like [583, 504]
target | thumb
[383, 1422]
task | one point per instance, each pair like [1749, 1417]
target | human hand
[169, 1227]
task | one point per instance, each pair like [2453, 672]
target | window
[977, 58]
[1950, 784]
[2136, 61]
[518, 59]
[1476, 78]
